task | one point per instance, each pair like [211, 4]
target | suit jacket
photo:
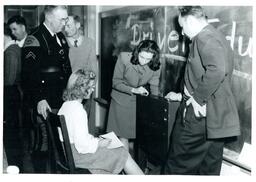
[83, 56]
[12, 65]
[127, 76]
[208, 76]
[46, 67]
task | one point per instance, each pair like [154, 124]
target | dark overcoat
[208, 77]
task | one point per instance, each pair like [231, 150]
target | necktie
[57, 39]
[75, 43]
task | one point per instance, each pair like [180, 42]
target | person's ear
[78, 25]
[23, 28]
[47, 16]
[180, 21]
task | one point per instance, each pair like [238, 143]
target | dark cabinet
[155, 118]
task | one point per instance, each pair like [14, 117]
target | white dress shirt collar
[20, 43]
[72, 40]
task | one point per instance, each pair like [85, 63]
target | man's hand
[173, 96]
[140, 90]
[42, 107]
[200, 111]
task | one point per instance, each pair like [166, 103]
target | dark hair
[78, 85]
[7, 30]
[50, 8]
[76, 18]
[17, 19]
[196, 11]
[147, 46]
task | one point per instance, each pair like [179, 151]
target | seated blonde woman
[88, 151]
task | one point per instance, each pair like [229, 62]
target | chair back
[60, 152]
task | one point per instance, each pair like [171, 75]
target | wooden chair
[60, 153]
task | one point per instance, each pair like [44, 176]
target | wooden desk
[154, 119]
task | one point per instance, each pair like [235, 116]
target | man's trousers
[190, 151]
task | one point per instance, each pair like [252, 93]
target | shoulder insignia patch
[30, 54]
[31, 41]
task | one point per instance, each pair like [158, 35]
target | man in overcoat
[208, 113]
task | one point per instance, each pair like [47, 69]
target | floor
[16, 146]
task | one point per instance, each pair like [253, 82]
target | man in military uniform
[46, 68]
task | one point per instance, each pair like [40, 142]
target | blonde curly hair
[78, 85]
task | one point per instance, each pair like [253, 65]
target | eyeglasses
[64, 20]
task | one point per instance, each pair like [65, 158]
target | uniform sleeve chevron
[31, 41]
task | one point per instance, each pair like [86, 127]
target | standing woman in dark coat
[132, 72]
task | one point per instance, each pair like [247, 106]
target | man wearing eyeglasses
[46, 67]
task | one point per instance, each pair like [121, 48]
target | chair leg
[34, 132]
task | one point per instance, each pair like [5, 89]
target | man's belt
[52, 69]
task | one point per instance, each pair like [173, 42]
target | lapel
[62, 39]
[49, 39]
